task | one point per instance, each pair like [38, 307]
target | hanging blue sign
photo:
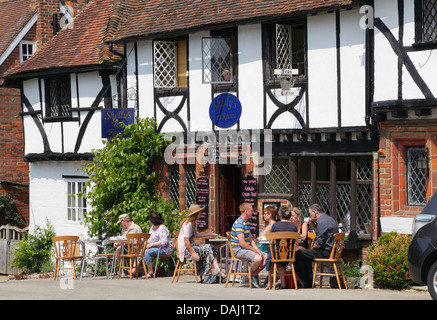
[225, 110]
[111, 119]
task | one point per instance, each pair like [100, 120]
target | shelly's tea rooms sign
[111, 119]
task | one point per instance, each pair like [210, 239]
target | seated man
[325, 229]
[244, 245]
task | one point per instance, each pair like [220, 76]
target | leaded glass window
[165, 68]
[217, 60]
[429, 20]
[190, 185]
[416, 177]
[58, 97]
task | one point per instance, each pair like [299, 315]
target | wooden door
[230, 196]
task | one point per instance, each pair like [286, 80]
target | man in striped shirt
[244, 245]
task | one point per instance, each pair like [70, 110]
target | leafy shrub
[9, 211]
[123, 180]
[351, 269]
[389, 259]
[33, 253]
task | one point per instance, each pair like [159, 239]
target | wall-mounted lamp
[423, 162]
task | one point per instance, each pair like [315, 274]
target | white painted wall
[145, 78]
[353, 69]
[322, 71]
[48, 196]
[386, 62]
[200, 94]
[250, 76]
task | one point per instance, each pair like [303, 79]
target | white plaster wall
[48, 196]
[145, 78]
[33, 142]
[322, 71]
[92, 138]
[386, 62]
[131, 79]
[250, 76]
[353, 69]
[200, 94]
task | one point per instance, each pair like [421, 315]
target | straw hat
[194, 209]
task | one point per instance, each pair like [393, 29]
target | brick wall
[395, 136]
[13, 169]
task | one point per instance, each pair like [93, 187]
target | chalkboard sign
[202, 198]
[249, 194]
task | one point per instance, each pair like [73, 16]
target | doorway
[230, 196]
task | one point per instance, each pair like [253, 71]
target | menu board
[249, 194]
[202, 198]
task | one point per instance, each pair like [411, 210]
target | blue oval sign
[225, 110]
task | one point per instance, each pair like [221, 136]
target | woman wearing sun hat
[205, 255]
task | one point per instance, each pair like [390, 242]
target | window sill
[425, 45]
[60, 119]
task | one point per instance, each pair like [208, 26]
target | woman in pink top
[159, 241]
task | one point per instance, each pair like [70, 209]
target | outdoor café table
[223, 242]
[93, 242]
[121, 241]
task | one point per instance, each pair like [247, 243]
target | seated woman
[284, 225]
[302, 227]
[159, 240]
[205, 255]
[269, 217]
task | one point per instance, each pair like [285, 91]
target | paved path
[185, 289]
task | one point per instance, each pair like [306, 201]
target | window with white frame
[76, 202]
[217, 61]
[27, 49]
[170, 64]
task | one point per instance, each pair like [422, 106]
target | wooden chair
[136, 244]
[178, 269]
[66, 248]
[311, 238]
[233, 270]
[334, 258]
[283, 249]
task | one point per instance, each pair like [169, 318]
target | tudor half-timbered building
[340, 93]
[300, 71]
[63, 88]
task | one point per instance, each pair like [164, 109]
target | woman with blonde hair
[205, 255]
[302, 226]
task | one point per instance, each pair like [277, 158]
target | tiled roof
[148, 18]
[14, 15]
[79, 46]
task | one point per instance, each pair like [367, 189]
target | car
[422, 251]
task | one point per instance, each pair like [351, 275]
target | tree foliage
[123, 180]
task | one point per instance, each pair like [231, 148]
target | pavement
[161, 288]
